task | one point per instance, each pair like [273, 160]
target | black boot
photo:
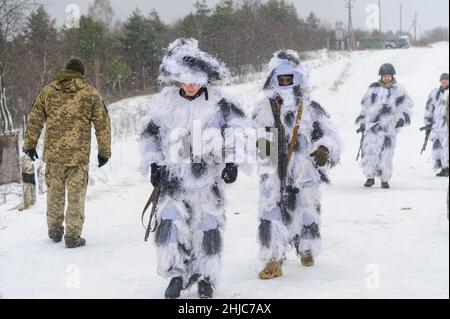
[56, 236]
[75, 243]
[370, 182]
[205, 289]
[173, 291]
[385, 185]
[443, 173]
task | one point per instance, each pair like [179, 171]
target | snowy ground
[377, 243]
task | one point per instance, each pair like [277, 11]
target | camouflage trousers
[75, 179]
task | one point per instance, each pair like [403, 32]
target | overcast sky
[431, 13]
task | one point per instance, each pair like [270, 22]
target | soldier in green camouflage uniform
[68, 107]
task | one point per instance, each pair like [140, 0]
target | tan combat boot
[307, 258]
[272, 270]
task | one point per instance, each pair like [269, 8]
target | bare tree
[102, 11]
[12, 13]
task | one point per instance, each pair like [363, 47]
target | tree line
[123, 57]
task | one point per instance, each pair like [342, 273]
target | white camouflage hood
[184, 62]
[286, 62]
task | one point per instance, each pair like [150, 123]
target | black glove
[320, 155]
[291, 197]
[32, 154]
[230, 173]
[428, 127]
[156, 174]
[102, 160]
[400, 123]
[198, 169]
[362, 128]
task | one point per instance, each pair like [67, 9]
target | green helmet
[387, 69]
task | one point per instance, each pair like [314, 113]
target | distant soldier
[68, 107]
[386, 109]
[435, 113]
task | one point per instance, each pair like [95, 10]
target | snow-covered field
[377, 243]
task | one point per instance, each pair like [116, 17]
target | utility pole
[401, 18]
[351, 34]
[379, 18]
[415, 27]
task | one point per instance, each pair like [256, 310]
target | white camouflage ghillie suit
[299, 224]
[435, 114]
[190, 215]
[385, 109]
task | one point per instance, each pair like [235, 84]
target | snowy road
[377, 243]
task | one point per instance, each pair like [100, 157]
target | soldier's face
[285, 80]
[190, 89]
[387, 78]
[444, 84]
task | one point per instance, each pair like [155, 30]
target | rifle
[362, 131]
[427, 137]
[284, 156]
[153, 200]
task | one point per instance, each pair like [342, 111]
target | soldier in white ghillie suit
[293, 164]
[190, 214]
[435, 114]
[386, 108]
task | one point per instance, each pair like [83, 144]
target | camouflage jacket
[69, 107]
